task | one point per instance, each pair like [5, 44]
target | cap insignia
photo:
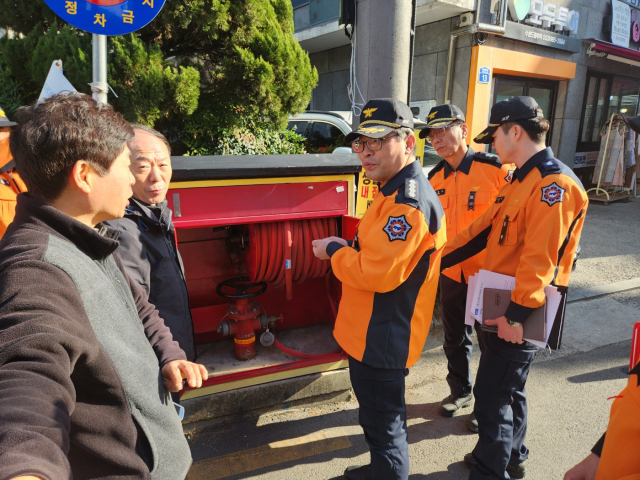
[482, 135]
[368, 112]
[370, 130]
[2, 114]
[433, 115]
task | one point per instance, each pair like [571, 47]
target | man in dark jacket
[85, 360]
[147, 236]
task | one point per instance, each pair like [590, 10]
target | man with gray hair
[147, 236]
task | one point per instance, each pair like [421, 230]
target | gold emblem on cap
[433, 115]
[482, 135]
[2, 114]
[370, 130]
[368, 112]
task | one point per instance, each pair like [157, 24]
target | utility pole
[99, 87]
[383, 48]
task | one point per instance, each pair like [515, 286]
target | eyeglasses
[439, 133]
[374, 144]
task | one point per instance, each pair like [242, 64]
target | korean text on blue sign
[484, 74]
[107, 17]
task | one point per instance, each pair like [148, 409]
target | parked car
[325, 132]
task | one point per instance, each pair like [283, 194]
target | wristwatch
[513, 324]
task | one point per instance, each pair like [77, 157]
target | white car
[325, 132]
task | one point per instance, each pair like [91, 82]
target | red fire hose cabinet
[263, 306]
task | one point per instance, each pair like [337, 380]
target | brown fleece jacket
[63, 409]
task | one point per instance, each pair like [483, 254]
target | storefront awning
[608, 50]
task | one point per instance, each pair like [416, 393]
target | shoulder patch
[411, 189]
[435, 170]
[552, 194]
[509, 176]
[397, 228]
[549, 167]
[487, 158]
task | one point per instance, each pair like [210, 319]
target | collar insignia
[368, 112]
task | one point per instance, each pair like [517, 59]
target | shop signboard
[585, 159]
[546, 38]
[544, 23]
[620, 21]
[484, 74]
[107, 17]
[625, 23]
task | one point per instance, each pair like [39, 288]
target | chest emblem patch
[397, 228]
[554, 193]
[509, 176]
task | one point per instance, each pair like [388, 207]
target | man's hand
[320, 246]
[585, 470]
[506, 331]
[174, 372]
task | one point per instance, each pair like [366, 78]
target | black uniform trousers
[501, 406]
[458, 346]
[383, 417]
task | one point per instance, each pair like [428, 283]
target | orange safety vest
[620, 457]
[466, 193]
[10, 185]
[531, 231]
[390, 274]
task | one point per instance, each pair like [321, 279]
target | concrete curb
[602, 290]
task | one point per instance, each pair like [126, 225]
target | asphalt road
[567, 390]
[568, 412]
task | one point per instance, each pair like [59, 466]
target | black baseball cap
[441, 116]
[380, 117]
[4, 121]
[634, 123]
[510, 110]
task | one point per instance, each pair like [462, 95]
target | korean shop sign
[544, 23]
[107, 17]
[545, 15]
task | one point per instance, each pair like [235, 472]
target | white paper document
[486, 279]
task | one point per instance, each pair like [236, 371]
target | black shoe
[514, 471]
[472, 423]
[452, 404]
[358, 472]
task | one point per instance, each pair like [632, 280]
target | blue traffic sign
[107, 17]
[484, 74]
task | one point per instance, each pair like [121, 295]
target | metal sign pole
[100, 86]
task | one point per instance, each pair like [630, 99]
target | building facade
[580, 59]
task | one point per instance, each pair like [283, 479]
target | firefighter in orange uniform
[466, 183]
[615, 456]
[389, 276]
[530, 232]
[10, 182]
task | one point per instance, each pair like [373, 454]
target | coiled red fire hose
[283, 253]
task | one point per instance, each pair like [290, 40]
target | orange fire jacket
[390, 273]
[466, 193]
[530, 232]
[620, 457]
[10, 185]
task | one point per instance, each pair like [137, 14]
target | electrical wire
[353, 90]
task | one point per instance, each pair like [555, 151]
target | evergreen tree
[234, 67]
